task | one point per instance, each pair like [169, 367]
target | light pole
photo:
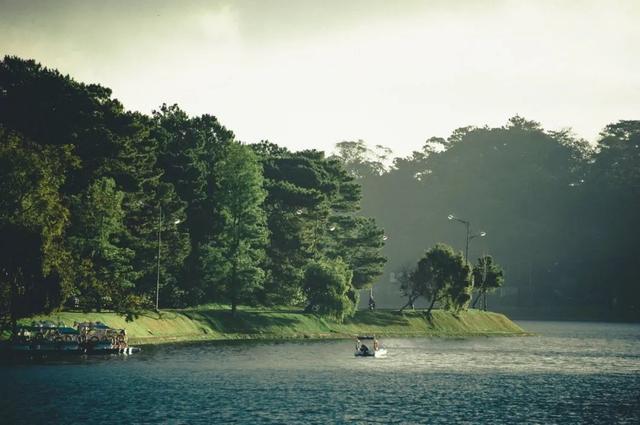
[469, 237]
[177, 221]
[372, 301]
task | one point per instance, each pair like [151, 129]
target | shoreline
[309, 338]
[215, 323]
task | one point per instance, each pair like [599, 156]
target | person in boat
[376, 344]
[121, 341]
[358, 344]
[364, 349]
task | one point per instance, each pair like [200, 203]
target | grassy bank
[216, 323]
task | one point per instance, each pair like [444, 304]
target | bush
[327, 285]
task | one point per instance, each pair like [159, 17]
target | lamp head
[450, 217]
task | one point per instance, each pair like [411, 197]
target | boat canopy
[366, 337]
[93, 325]
[64, 330]
[39, 326]
[42, 325]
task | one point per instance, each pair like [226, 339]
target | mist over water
[568, 373]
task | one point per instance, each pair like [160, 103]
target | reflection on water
[568, 373]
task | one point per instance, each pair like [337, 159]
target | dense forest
[559, 214]
[103, 208]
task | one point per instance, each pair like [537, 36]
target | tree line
[560, 214]
[104, 208]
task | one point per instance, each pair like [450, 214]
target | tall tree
[442, 276]
[361, 161]
[234, 258]
[311, 208]
[104, 266]
[53, 110]
[359, 241]
[35, 275]
[410, 289]
[356, 239]
[608, 227]
[151, 206]
[189, 149]
[293, 183]
[487, 277]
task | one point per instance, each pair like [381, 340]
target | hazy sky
[311, 73]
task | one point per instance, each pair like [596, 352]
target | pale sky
[308, 74]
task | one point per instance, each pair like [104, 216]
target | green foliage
[442, 276]
[113, 201]
[311, 206]
[53, 110]
[151, 204]
[233, 260]
[327, 284]
[406, 285]
[87, 187]
[359, 241]
[558, 213]
[487, 276]
[188, 150]
[293, 184]
[360, 161]
[35, 274]
[606, 234]
[104, 271]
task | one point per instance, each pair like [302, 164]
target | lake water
[569, 373]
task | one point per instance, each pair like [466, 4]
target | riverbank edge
[218, 324]
[141, 342]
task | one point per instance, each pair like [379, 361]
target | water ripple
[570, 373]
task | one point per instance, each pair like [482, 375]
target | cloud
[308, 74]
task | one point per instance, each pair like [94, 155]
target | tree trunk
[409, 303]
[476, 300]
[234, 291]
[14, 303]
[433, 302]
[234, 284]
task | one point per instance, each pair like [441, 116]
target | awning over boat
[93, 325]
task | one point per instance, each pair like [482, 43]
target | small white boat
[363, 350]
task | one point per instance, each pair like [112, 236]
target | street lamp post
[469, 236]
[177, 221]
[372, 301]
[159, 242]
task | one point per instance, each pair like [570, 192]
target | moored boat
[47, 338]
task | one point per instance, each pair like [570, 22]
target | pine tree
[233, 259]
[35, 272]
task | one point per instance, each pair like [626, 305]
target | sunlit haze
[309, 74]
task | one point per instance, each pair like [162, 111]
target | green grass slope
[216, 323]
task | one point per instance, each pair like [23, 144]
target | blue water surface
[568, 373]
